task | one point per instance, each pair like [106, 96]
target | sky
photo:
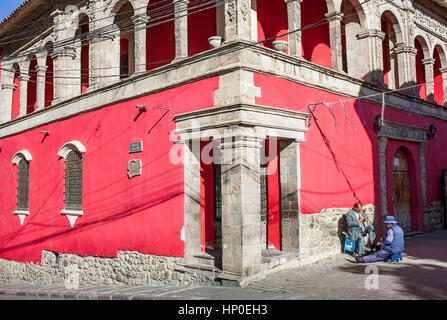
[8, 6]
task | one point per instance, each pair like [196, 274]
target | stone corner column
[334, 19]
[237, 20]
[294, 23]
[241, 203]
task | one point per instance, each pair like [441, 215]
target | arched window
[82, 34]
[49, 76]
[123, 20]
[73, 153]
[351, 26]
[22, 161]
[439, 57]
[390, 26]
[421, 46]
[272, 21]
[23, 185]
[316, 40]
[32, 87]
[16, 93]
[160, 29]
[73, 181]
[202, 25]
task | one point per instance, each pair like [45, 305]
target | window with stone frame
[73, 181]
[23, 185]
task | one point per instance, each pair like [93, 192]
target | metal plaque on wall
[136, 147]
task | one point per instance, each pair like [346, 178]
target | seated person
[357, 228]
[394, 243]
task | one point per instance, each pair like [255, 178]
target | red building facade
[257, 125]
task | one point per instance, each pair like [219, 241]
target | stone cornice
[208, 64]
[264, 121]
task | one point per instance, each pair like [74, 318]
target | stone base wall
[130, 268]
[437, 215]
[321, 233]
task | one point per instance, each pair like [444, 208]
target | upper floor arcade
[69, 48]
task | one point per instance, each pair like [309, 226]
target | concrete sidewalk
[421, 275]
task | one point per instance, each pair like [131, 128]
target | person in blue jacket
[394, 243]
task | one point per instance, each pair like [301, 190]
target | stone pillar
[139, 21]
[104, 68]
[24, 78]
[373, 39]
[412, 80]
[383, 141]
[444, 84]
[6, 106]
[63, 58]
[405, 73]
[334, 19]
[426, 211]
[241, 204]
[192, 200]
[237, 20]
[294, 23]
[429, 77]
[289, 169]
[64, 73]
[181, 28]
[40, 87]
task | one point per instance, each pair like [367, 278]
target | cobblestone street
[421, 275]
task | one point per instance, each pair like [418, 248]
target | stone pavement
[422, 275]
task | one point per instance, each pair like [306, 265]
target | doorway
[402, 191]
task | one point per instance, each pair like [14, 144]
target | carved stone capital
[428, 61]
[24, 78]
[140, 19]
[334, 16]
[373, 33]
[64, 52]
[9, 86]
[41, 69]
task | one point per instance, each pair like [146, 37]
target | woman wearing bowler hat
[394, 243]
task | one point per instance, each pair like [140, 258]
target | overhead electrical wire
[318, 23]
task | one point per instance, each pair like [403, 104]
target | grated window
[23, 185]
[73, 181]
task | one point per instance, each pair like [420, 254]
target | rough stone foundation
[437, 215]
[321, 233]
[130, 268]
